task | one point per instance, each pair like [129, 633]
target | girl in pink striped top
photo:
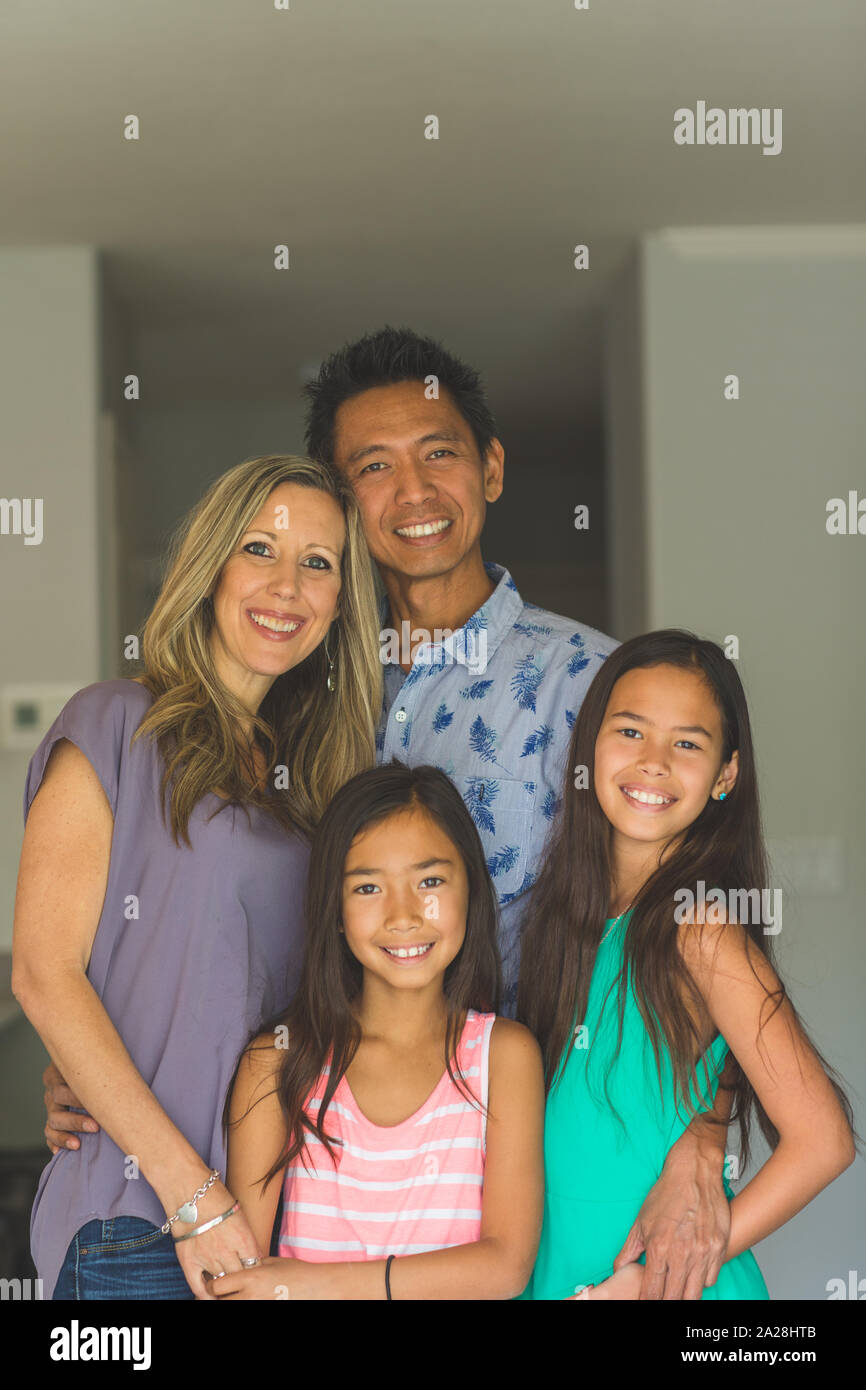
[403, 1118]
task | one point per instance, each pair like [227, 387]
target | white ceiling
[306, 127]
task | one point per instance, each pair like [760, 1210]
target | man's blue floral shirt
[493, 706]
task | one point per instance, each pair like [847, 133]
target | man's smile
[421, 530]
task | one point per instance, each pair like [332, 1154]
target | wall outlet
[27, 713]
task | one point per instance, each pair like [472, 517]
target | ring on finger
[251, 1262]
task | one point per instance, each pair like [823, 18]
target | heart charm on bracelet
[188, 1213]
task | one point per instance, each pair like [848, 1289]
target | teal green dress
[598, 1171]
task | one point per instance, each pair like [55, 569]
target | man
[479, 683]
[493, 701]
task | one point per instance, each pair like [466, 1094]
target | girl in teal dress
[647, 963]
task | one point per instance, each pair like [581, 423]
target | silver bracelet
[188, 1213]
[215, 1221]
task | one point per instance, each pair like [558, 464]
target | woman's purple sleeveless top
[195, 947]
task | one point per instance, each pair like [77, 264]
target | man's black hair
[384, 358]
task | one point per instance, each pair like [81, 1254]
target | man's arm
[61, 1125]
[685, 1222]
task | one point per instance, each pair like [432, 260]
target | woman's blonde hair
[320, 737]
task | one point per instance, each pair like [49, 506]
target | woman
[163, 865]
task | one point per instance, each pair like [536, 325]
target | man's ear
[494, 470]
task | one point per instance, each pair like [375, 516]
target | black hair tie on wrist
[388, 1278]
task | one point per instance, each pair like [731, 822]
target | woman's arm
[257, 1136]
[497, 1265]
[61, 888]
[815, 1140]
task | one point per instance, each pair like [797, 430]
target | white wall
[54, 618]
[50, 620]
[717, 524]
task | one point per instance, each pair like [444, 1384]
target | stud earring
[722, 795]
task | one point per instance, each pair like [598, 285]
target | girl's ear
[727, 777]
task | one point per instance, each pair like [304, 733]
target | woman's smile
[273, 626]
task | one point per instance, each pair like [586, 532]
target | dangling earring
[331, 684]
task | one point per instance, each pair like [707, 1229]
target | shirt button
[400, 716]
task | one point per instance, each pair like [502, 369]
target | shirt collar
[496, 616]
[501, 611]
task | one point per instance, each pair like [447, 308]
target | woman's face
[658, 754]
[277, 594]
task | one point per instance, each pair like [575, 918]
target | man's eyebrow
[442, 436]
[425, 864]
[677, 728]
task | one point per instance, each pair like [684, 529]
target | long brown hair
[319, 737]
[724, 847]
[320, 1025]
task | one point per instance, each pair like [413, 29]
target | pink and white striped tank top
[396, 1189]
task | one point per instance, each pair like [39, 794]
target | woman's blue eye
[264, 552]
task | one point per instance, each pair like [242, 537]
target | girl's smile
[647, 799]
[408, 955]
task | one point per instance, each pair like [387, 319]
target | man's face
[415, 469]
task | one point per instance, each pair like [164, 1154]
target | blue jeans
[124, 1257]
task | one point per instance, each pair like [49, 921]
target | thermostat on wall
[27, 713]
